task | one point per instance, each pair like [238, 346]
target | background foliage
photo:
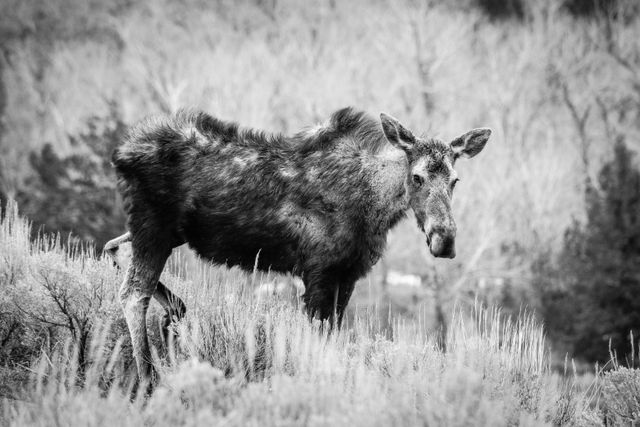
[547, 215]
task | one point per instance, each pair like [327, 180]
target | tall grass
[241, 360]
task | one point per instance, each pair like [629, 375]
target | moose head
[431, 179]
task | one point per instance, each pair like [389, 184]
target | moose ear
[397, 134]
[471, 143]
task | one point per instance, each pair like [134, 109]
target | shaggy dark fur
[302, 205]
[318, 204]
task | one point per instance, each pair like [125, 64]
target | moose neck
[389, 185]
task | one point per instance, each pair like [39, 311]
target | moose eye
[418, 180]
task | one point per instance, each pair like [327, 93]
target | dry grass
[240, 360]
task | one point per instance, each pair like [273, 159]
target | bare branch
[39, 317]
[14, 326]
[580, 122]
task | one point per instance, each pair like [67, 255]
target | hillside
[248, 361]
[243, 360]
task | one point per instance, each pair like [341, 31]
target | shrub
[502, 9]
[592, 8]
[621, 396]
[590, 297]
[494, 372]
[51, 294]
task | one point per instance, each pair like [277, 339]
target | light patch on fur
[453, 175]
[390, 154]
[227, 149]
[288, 172]
[312, 131]
[313, 173]
[251, 156]
[244, 159]
[241, 162]
[191, 133]
[420, 165]
[286, 210]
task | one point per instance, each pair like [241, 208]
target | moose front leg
[326, 297]
[343, 296]
[320, 302]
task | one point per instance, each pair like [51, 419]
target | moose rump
[188, 180]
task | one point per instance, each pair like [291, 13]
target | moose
[318, 204]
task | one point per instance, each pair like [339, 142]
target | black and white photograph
[320, 213]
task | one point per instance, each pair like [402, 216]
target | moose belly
[232, 240]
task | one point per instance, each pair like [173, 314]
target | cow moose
[318, 204]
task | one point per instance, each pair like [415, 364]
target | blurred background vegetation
[548, 215]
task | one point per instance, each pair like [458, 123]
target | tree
[592, 296]
[502, 9]
[76, 194]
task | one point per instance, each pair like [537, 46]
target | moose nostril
[449, 248]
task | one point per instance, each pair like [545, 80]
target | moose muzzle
[442, 244]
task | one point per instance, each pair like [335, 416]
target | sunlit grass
[242, 360]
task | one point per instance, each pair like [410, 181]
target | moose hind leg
[174, 308]
[119, 249]
[136, 291]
